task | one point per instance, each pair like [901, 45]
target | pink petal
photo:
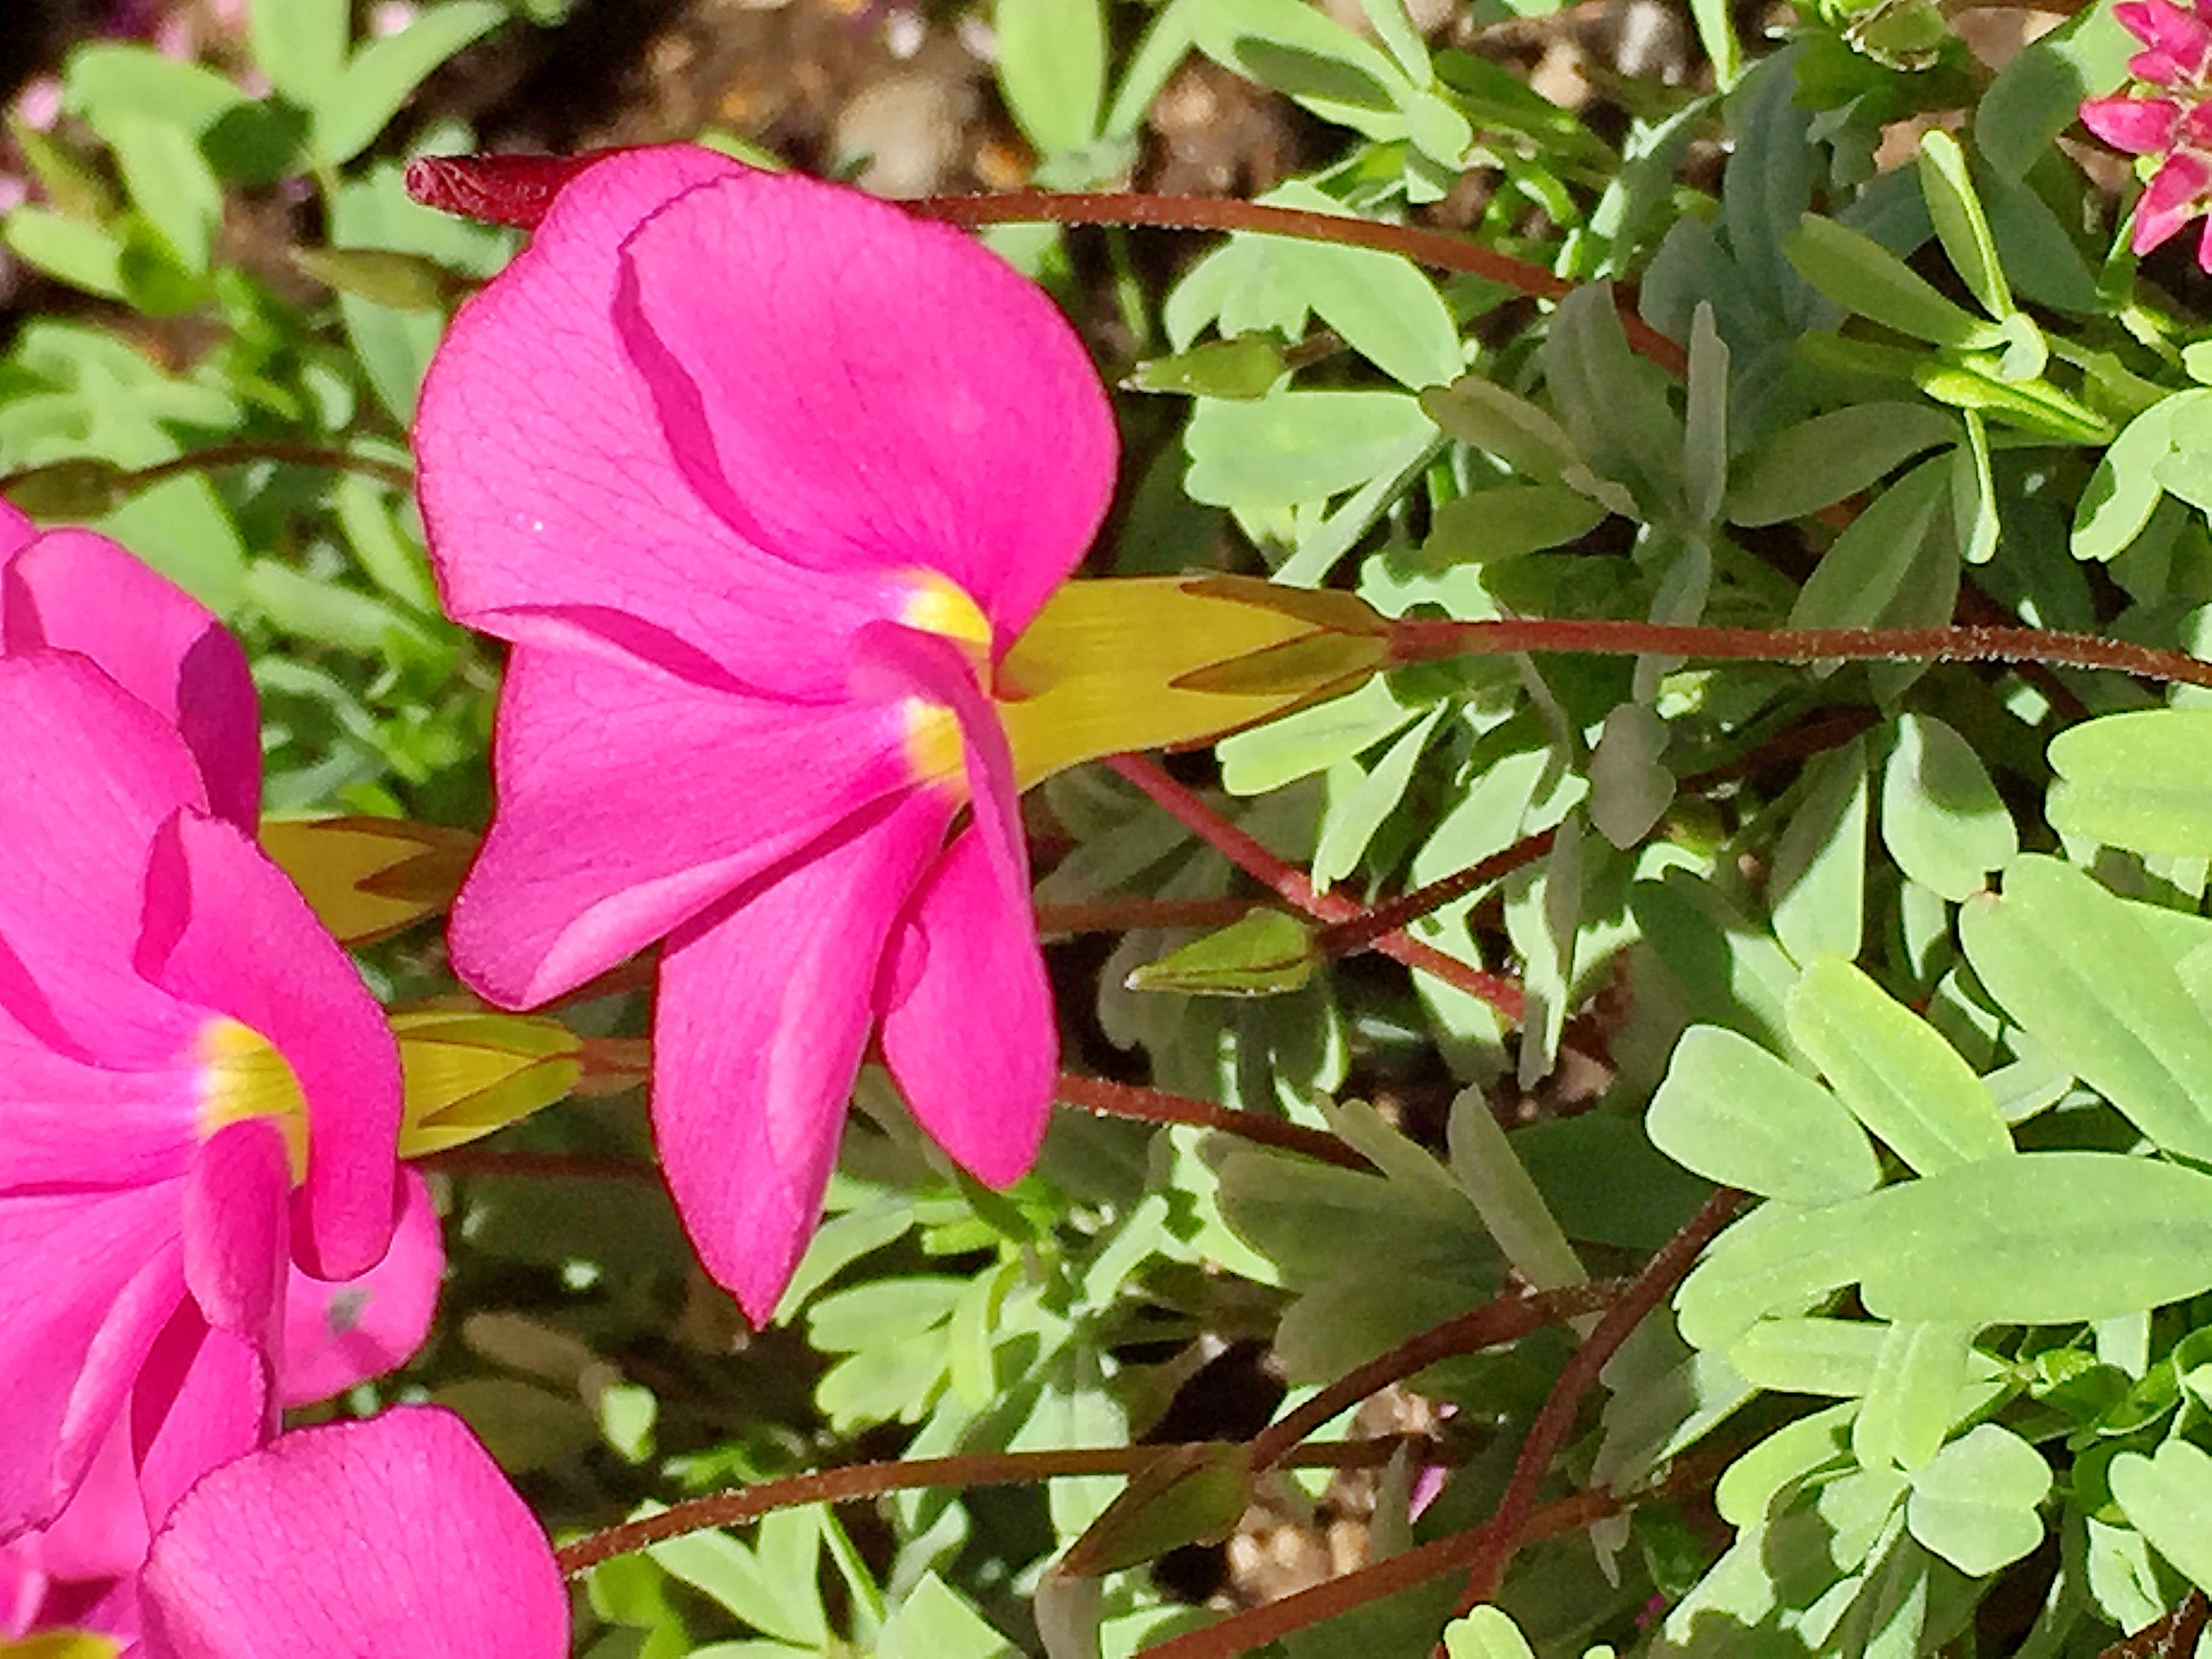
[968, 1023]
[202, 1399]
[74, 591]
[2182, 37]
[67, 1124]
[338, 1334]
[858, 391]
[2174, 197]
[237, 1216]
[91, 1280]
[87, 776]
[226, 932]
[556, 515]
[2140, 126]
[395, 1538]
[629, 801]
[759, 1029]
[17, 532]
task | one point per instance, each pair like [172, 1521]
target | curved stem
[1507, 1528]
[1440, 250]
[1428, 640]
[240, 453]
[1153, 1106]
[1247, 855]
[729, 1509]
[1500, 1320]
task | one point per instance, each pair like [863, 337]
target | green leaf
[1485, 1633]
[1242, 370]
[1805, 467]
[107, 78]
[83, 256]
[1872, 563]
[1306, 56]
[1295, 446]
[1052, 68]
[383, 73]
[1489, 1170]
[763, 1588]
[2141, 780]
[2166, 1497]
[1912, 1396]
[1892, 1071]
[2124, 490]
[300, 47]
[405, 282]
[2038, 95]
[1612, 402]
[1942, 818]
[1188, 1495]
[1960, 224]
[1355, 814]
[1268, 757]
[1733, 1113]
[1975, 1505]
[2085, 978]
[1816, 890]
[1832, 1356]
[1869, 281]
[1270, 951]
[1974, 522]
[1507, 521]
[934, 1622]
[1486, 415]
[2042, 1238]
[169, 183]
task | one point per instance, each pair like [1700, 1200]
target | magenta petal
[968, 1022]
[629, 801]
[2165, 28]
[857, 390]
[2140, 126]
[67, 1124]
[760, 1024]
[87, 776]
[556, 515]
[17, 532]
[395, 1538]
[338, 1334]
[91, 1280]
[202, 1400]
[2174, 197]
[237, 1212]
[74, 591]
[225, 931]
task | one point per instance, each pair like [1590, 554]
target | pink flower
[198, 1098]
[2173, 120]
[395, 1538]
[762, 478]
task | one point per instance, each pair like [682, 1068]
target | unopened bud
[80, 489]
[500, 189]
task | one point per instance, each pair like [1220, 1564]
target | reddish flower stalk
[1153, 1106]
[1247, 855]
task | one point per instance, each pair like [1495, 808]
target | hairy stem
[1153, 1106]
[1439, 250]
[1256, 860]
[729, 1509]
[232, 454]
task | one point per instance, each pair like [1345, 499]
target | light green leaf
[104, 78]
[1052, 67]
[1507, 521]
[1351, 817]
[1893, 1070]
[2042, 1238]
[1486, 1166]
[2141, 780]
[1869, 281]
[1974, 521]
[169, 183]
[1960, 225]
[2124, 490]
[1805, 467]
[1872, 563]
[1485, 1633]
[1268, 952]
[1817, 888]
[1975, 1505]
[1942, 818]
[760, 1593]
[1240, 368]
[301, 46]
[1294, 447]
[1833, 1356]
[1487, 416]
[2167, 1496]
[1304, 54]
[384, 72]
[83, 256]
[2084, 977]
[1913, 1394]
[1734, 1114]
[1268, 757]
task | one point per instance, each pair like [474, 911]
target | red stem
[1426, 641]
[1441, 250]
[1153, 1106]
[1504, 1532]
[1247, 854]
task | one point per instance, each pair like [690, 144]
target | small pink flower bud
[2140, 126]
